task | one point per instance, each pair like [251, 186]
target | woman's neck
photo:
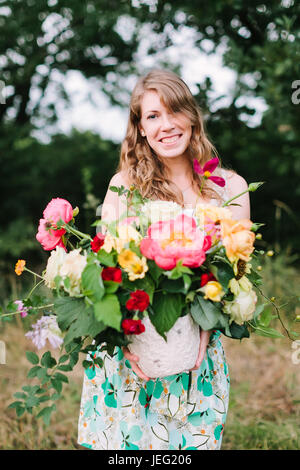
[178, 169]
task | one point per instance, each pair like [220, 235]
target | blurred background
[67, 68]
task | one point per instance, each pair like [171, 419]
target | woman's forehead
[151, 101]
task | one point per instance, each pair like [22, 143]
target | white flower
[72, 267]
[46, 328]
[160, 210]
[242, 307]
[54, 264]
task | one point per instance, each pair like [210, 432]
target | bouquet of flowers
[157, 271]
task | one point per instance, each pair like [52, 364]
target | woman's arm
[114, 206]
[236, 184]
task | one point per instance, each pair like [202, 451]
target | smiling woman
[127, 405]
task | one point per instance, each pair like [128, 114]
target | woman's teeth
[169, 140]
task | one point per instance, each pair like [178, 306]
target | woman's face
[167, 133]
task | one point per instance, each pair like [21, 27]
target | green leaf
[92, 282]
[111, 287]
[47, 360]
[165, 310]
[108, 311]
[61, 377]
[107, 259]
[65, 368]
[45, 413]
[146, 284]
[76, 318]
[154, 270]
[20, 395]
[32, 357]
[268, 332]
[208, 316]
[224, 273]
[33, 372]
[57, 385]
[265, 318]
[32, 401]
[63, 358]
[238, 331]
[20, 410]
[178, 271]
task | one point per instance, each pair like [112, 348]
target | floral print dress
[187, 411]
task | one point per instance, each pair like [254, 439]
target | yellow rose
[213, 291]
[237, 238]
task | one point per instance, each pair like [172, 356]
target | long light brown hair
[143, 168]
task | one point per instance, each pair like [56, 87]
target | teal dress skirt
[187, 411]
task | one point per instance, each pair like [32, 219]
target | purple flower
[21, 308]
[46, 328]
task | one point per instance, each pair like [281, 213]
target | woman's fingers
[130, 356]
[204, 340]
[133, 359]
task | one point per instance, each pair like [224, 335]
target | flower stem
[76, 232]
[277, 311]
[233, 198]
[31, 272]
[34, 287]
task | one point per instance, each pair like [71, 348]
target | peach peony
[237, 238]
[177, 239]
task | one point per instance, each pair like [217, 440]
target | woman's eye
[151, 116]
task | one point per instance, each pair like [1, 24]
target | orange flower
[237, 238]
[20, 265]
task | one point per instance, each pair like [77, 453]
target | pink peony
[48, 235]
[177, 239]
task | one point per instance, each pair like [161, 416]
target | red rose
[97, 242]
[205, 278]
[112, 274]
[132, 327]
[139, 300]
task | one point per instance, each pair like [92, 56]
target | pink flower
[177, 239]
[21, 308]
[209, 168]
[48, 234]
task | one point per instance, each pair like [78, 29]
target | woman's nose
[167, 121]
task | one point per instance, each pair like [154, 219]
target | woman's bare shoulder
[236, 183]
[119, 179]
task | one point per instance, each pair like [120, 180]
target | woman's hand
[204, 340]
[133, 359]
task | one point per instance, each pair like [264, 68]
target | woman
[122, 408]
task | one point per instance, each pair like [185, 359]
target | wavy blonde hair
[142, 167]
